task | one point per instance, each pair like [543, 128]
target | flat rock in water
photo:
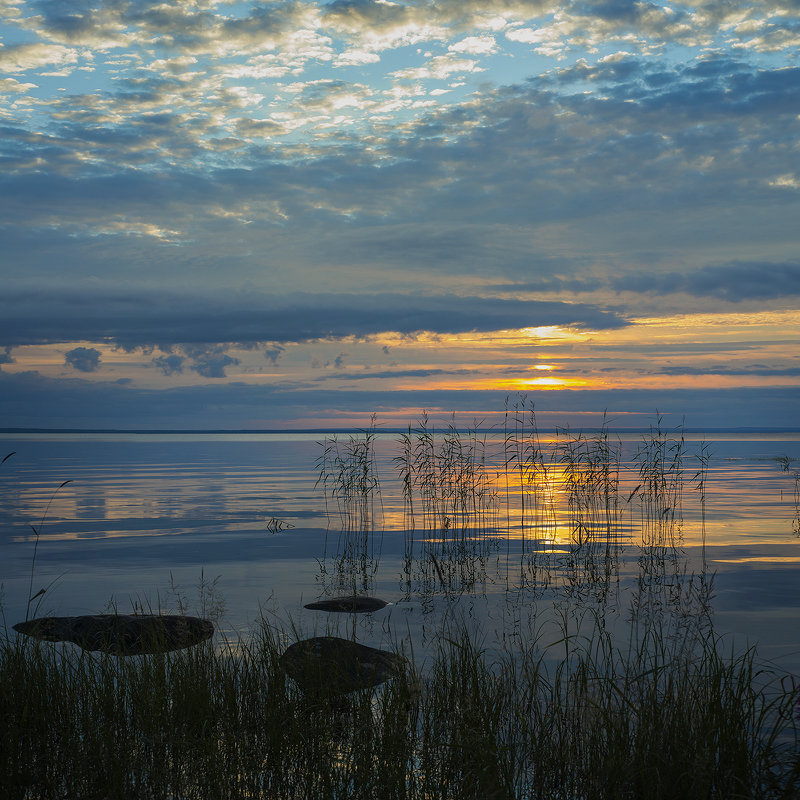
[353, 603]
[122, 634]
[328, 665]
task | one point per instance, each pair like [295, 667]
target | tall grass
[446, 484]
[571, 718]
[349, 478]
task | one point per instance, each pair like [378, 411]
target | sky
[297, 214]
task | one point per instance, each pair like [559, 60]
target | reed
[350, 481]
[565, 507]
[446, 484]
[349, 478]
[450, 505]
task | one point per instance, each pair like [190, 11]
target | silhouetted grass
[572, 718]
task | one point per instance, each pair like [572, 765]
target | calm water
[146, 519]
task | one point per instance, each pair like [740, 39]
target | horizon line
[403, 429]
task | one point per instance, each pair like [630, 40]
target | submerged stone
[351, 604]
[121, 634]
[329, 665]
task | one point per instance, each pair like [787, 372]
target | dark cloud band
[150, 318]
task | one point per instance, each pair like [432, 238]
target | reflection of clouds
[90, 506]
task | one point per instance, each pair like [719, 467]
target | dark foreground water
[201, 522]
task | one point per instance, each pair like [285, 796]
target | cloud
[170, 364]
[149, 317]
[711, 132]
[735, 281]
[475, 45]
[552, 282]
[379, 25]
[677, 348]
[328, 95]
[727, 369]
[209, 360]
[566, 183]
[35, 55]
[83, 359]
[12, 86]
[396, 373]
[301, 32]
[273, 352]
[184, 25]
[438, 68]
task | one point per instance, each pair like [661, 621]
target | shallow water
[159, 521]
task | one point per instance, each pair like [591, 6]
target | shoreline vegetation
[660, 719]
[585, 698]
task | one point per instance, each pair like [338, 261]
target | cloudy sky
[234, 214]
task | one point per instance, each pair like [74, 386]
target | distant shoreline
[378, 430]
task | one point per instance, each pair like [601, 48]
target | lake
[201, 521]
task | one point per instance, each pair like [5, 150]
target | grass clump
[563, 505]
[575, 718]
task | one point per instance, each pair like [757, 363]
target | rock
[121, 634]
[353, 603]
[329, 666]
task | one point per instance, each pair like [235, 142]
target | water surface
[166, 521]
